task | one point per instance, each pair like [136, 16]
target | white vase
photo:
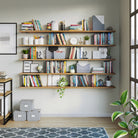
[25, 56]
[108, 83]
[87, 42]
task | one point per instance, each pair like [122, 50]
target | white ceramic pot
[108, 83]
[25, 56]
[87, 42]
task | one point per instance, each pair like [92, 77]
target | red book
[33, 81]
[80, 80]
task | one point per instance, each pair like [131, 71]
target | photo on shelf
[34, 67]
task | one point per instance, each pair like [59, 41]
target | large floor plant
[129, 113]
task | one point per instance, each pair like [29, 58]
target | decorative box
[26, 105]
[19, 116]
[59, 55]
[33, 115]
[83, 69]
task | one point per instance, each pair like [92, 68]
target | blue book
[109, 38]
[82, 81]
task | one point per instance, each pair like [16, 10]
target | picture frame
[8, 38]
[27, 66]
[34, 67]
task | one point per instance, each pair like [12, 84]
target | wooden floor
[68, 122]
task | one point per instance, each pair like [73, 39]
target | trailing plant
[86, 37]
[25, 51]
[62, 83]
[130, 118]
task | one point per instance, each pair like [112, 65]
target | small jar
[49, 27]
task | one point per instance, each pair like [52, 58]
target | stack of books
[76, 81]
[103, 38]
[56, 67]
[58, 39]
[75, 27]
[36, 24]
[27, 26]
[32, 81]
[98, 70]
[108, 66]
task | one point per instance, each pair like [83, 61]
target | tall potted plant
[129, 118]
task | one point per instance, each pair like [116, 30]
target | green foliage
[62, 83]
[130, 126]
[25, 51]
[86, 37]
[120, 133]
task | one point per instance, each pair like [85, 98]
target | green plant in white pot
[62, 83]
[25, 54]
[129, 115]
[86, 39]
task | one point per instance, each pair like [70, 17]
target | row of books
[27, 26]
[31, 81]
[33, 53]
[76, 52]
[56, 66]
[103, 38]
[108, 66]
[95, 81]
[76, 81]
[58, 39]
[85, 25]
[36, 24]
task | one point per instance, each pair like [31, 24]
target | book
[59, 40]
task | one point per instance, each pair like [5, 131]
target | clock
[73, 41]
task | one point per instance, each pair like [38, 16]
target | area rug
[53, 133]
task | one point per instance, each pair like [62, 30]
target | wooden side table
[5, 93]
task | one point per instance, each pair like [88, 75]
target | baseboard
[75, 115]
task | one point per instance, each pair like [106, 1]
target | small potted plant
[25, 54]
[62, 83]
[108, 81]
[86, 39]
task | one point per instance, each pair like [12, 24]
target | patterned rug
[53, 133]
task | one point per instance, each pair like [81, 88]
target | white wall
[124, 42]
[76, 102]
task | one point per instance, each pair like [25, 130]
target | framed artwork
[8, 38]
[34, 67]
[27, 66]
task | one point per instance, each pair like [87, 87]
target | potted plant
[129, 115]
[86, 39]
[62, 83]
[25, 54]
[108, 81]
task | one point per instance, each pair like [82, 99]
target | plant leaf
[120, 133]
[132, 132]
[124, 96]
[135, 123]
[131, 120]
[127, 113]
[116, 114]
[123, 124]
[116, 103]
[135, 103]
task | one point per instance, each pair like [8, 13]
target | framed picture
[27, 66]
[34, 67]
[8, 38]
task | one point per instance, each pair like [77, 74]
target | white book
[43, 80]
[55, 79]
[49, 80]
